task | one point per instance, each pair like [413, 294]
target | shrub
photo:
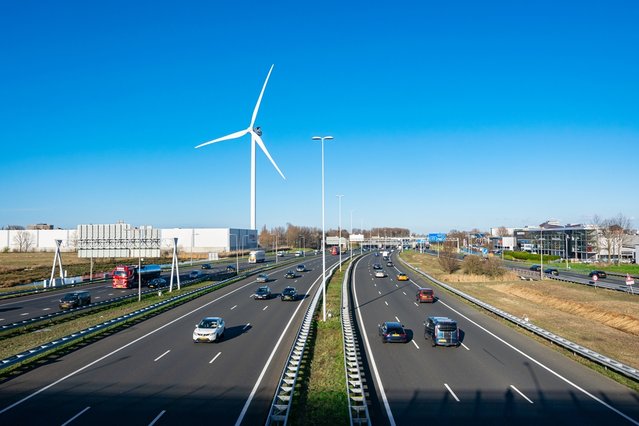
[448, 262]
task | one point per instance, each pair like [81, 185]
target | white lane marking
[379, 292]
[415, 344]
[234, 306]
[215, 357]
[397, 285]
[26, 313]
[238, 422]
[404, 293]
[397, 319]
[97, 297]
[162, 355]
[451, 392]
[246, 326]
[110, 294]
[75, 417]
[519, 392]
[265, 307]
[113, 352]
[1, 319]
[386, 302]
[46, 309]
[416, 304]
[157, 417]
[380, 386]
[548, 369]
[465, 347]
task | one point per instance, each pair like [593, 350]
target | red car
[425, 295]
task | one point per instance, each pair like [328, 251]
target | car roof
[442, 319]
[212, 318]
[392, 324]
[425, 288]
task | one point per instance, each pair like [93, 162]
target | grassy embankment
[321, 397]
[603, 320]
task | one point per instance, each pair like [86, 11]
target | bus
[257, 256]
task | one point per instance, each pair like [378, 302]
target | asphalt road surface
[497, 375]
[153, 372]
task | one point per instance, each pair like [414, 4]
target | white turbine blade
[224, 138]
[261, 144]
[259, 100]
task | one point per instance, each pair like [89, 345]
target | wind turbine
[256, 137]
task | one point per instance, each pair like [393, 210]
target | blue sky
[461, 115]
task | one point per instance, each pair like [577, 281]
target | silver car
[210, 329]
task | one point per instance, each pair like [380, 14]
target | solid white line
[215, 357]
[246, 326]
[415, 344]
[75, 417]
[522, 353]
[386, 302]
[465, 347]
[519, 392]
[157, 417]
[451, 392]
[270, 358]
[235, 306]
[265, 307]
[92, 363]
[380, 386]
[162, 355]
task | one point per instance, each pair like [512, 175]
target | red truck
[126, 276]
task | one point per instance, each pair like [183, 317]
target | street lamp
[322, 138]
[339, 227]
[303, 245]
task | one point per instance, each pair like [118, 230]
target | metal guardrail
[575, 348]
[357, 407]
[281, 405]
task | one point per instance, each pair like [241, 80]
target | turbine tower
[256, 137]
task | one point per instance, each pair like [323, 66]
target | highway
[153, 373]
[32, 305]
[497, 375]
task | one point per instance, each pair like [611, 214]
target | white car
[380, 274]
[210, 329]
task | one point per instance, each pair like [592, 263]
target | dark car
[289, 274]
[289, 293]
[377, 266]
[262, 293]
[551, 271]
[535, 268]
[158, 283]
[75, 300]
[231, 268]
[392, 332]
[442, 331]
[206, 266]
[300, 268]
[599, 274]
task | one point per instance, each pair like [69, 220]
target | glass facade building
[577, 242]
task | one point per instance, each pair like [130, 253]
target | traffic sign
[629, 280]
[595, 277]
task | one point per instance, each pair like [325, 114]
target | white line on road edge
[415, 344]
[246, 326]
[554, 373]
[115, 351]
[465, 347]
[157, 417]
[270, 358]
[162, 355]
[451, 392]
[75, 417]
[519, 392]
[389, 413]
[215, 357]
[234, 306]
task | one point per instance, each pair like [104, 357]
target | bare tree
[24, 241]
[448, 261]
[502, 232]
[613, 233]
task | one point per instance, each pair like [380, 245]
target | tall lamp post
[322, 138]
[303, 245]
[339, 227]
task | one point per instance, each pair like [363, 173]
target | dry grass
[602, 320]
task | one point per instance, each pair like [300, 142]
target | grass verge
[321, 397]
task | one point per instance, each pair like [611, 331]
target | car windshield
[119, 274]
[208, 324]
[69, 297]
